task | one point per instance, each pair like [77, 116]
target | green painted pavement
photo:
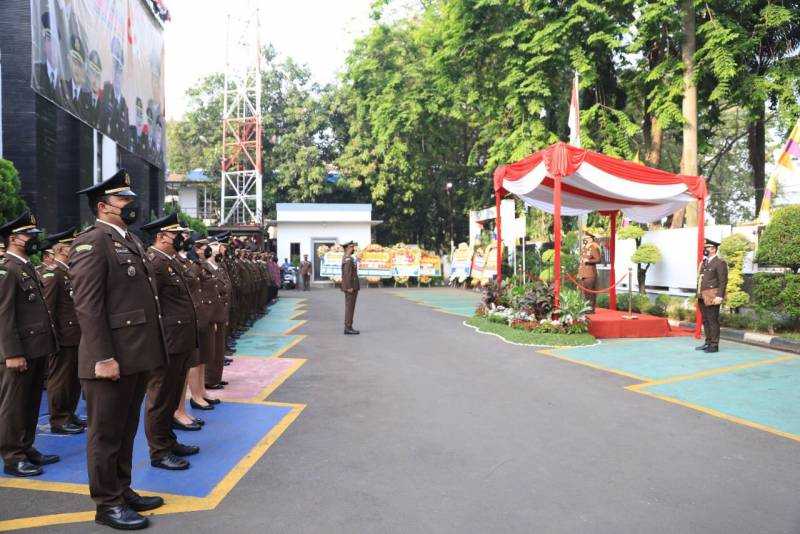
[767, 394]
[657, 359]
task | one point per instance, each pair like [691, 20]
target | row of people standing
[120, 323]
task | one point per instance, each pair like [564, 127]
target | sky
[318, 33]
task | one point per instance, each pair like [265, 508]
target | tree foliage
[11, 203]
[779, 244]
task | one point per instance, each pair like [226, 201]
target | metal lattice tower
[241, 187]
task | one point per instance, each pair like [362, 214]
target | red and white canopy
[591, 181]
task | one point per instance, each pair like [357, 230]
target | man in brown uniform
[27, 339]
[180, 329]
[305, 272]
[63, 385]
[713, 282]
[121, 342]
[350, 286]
[587, 269]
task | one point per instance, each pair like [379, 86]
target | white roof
[303, 212]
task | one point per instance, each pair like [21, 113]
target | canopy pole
[612, 249]
[701, 238]
[557, 237]
[498, 219]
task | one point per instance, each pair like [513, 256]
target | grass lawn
[794, 336]
[530, 338]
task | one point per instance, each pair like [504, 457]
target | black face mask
[218, 258]
[706, 252]
[192, 254]
[32, 246]
[130, 213]
[207, 252]
[178, 243]
[188, 244]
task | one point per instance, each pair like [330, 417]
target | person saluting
[122, 341]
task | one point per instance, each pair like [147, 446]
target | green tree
[11, 203]
[779, 244]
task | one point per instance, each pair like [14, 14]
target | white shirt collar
[712, 257]
[162, 253]
[64, 265]
[122, 232]
[20, 258]
[213, 265]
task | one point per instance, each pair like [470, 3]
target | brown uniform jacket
[57, 290]
[194, 275]
[116, 302]
[217, 286]
[350, 274]
[177, 308]
[305, 268]
[26, 327]
[714, 275]
[590, 257]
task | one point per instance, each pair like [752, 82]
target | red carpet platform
[606, 324]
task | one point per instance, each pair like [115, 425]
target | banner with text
[406, 261]
[331, 264]
[375, 261]
[430, 264]
[103, 62]
[461, 263]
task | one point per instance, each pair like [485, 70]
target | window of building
[294, 253]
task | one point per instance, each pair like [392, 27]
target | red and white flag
[575, 116]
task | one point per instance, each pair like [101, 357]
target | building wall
[53, 151]
[187, 199]
[306, 233]
[299, 212]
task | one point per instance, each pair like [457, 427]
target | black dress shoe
[702, 347]
[215, 386]
[185, 450]
[23, 468]
[191, 427]
[142, 504]
[199, 421]
[223, 382]
[78, 420]
[711, 348]
[350, 332]
[198, 406]
[37, 458]
[170, 462]
[68, 428]
[121, 517]
[228, 360]
[213, 402]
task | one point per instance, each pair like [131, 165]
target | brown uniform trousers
[587, 272]
[26, 329]
[120, 317]
[350, 281]
[219, 312]
[63, 385]
[180, 330]
[305, 273]
[713, 275]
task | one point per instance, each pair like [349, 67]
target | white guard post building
[303, 228]
[513, 226]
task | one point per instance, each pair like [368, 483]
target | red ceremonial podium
[608, 324]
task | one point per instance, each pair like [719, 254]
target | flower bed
[538, 337]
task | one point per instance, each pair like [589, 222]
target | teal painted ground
[456, 301]
[266, 337]
[657, 359]
[767, 394]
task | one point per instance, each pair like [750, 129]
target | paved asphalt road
[422, 425]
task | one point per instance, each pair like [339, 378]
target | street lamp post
[448, 188]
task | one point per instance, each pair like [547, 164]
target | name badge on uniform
[131, 271]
